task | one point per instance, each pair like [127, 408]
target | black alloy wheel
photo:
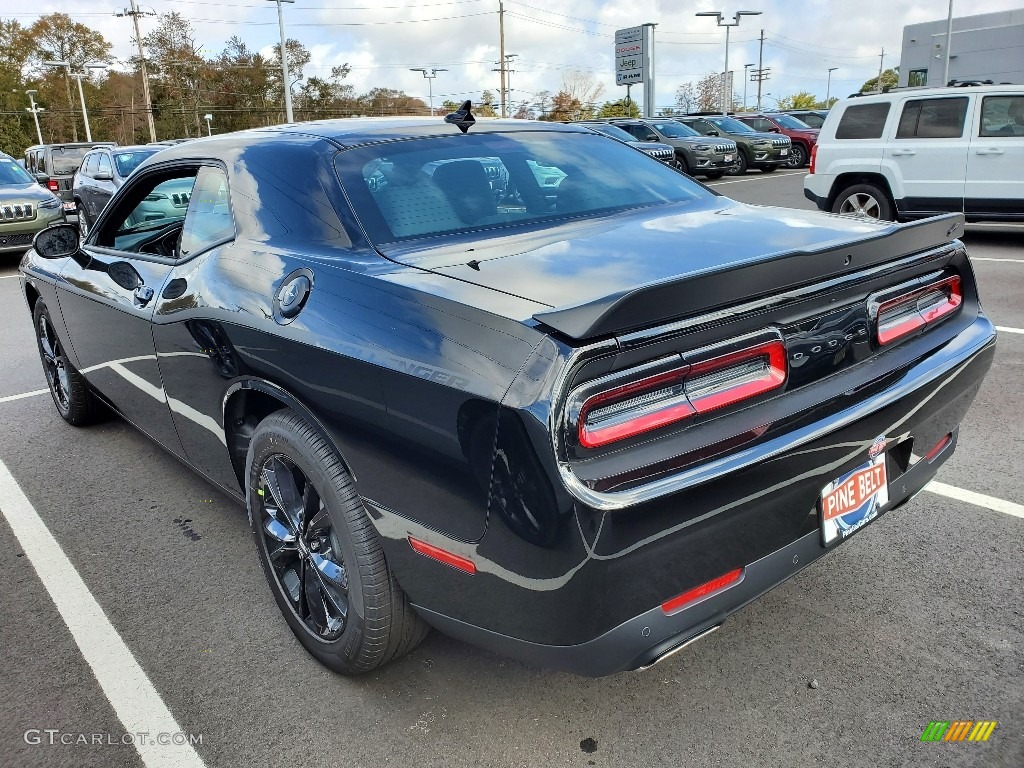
[320, 552]
[76, 404]
[303, 547]
[681, 164]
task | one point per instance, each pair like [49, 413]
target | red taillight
[939, 446]
[686, 390]
[902, 315]
[442, 555]
[814, 158]
[53, 186]
[705, 590]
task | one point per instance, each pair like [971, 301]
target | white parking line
[23, 395]
[977, 499]
[7, 277]
[758, 178]
[1005, 329]
[130, 692]
[1007, 261]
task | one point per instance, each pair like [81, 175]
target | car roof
[352, 132]
[944, 90]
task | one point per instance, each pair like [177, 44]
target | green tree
[801, 100]
[619, 109]
[486, 106]
[179, 69]
[57, 37]
[890, 79]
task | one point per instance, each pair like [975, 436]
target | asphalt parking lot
[919, 618]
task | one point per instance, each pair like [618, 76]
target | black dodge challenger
[512, 380]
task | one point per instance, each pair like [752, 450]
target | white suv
[922, 151]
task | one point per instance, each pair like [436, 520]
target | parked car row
[26, 206]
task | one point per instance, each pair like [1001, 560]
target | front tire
[797, 156]
[865, 201]
[320, 552]
[741, 165]
[76, 404]
[84, 224]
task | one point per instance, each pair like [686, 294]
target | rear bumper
[818, 200]
[568, 606]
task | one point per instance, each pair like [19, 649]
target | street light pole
[35, 113]
[828, 86]
[79, 76]
[285, 82]
[726, 96]
[746, 78]
[208, 117]
[429, 74]
[949, 40]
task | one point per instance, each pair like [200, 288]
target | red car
[802, 135]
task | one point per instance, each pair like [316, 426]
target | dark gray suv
[102, 173]
[696, 154]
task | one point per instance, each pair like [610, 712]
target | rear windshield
[12, 173]
[675, 130]
[790, 122]
[455, 184]
[128, 161]
[614, 131]
[66, 160]
[729, 125]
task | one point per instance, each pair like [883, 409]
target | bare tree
[686, 99]
[709, 92]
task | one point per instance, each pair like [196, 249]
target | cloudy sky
[381, 39]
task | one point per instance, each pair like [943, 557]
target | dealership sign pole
[634, 61]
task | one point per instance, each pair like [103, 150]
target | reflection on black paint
[211, 339]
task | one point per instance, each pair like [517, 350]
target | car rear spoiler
[656, 303]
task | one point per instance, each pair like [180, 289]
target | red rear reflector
[814, 158]
[905, 314]
[939, 446]
[52, 185]
[706, 589]
[666, 398]
[442, 555]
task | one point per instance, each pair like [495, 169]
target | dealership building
[989, 46]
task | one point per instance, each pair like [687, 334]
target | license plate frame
[853, 500]
[728, 158]
[69, 206]
[784, 153]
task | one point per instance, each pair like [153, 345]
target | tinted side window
[103, 164]
[88, 165]
[636, 130]
[1002, 116]
[208, 221]
[933, 119]
[863, 121]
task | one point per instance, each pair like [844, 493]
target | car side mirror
[103, 176]
[774, 130]
[712, 133]
[43, 179]
[57, 241]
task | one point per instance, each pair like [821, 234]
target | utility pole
[501, 53]
[135, 13]
[285, 80]
[949, 41]
[746, 78]
[760, 70]
[35, 113]
[881, 63]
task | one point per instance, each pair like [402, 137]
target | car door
[109, 292]
[995, 181]
[928, 154]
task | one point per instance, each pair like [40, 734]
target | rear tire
[84, 225]
[864, 200]
[321, 554]
[75, 402]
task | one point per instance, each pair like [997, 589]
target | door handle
[143, 295]
[990, 151]
[903, 152]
